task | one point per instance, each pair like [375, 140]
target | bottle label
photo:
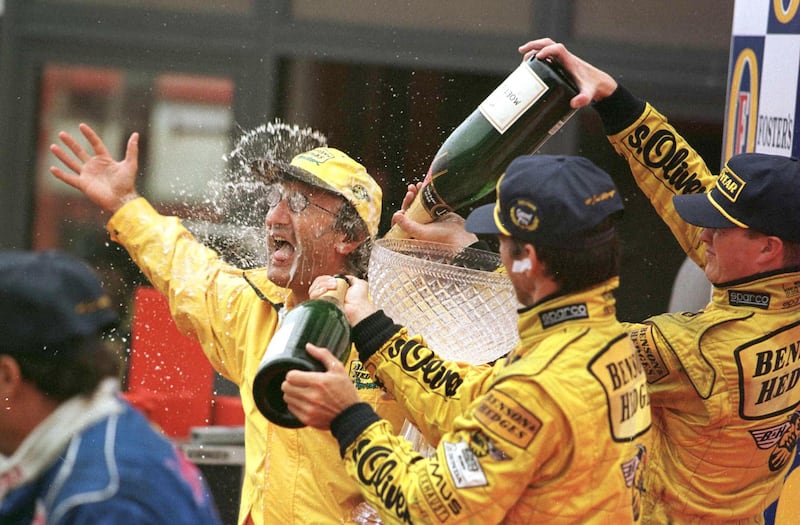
[518, 92]
[435, 205]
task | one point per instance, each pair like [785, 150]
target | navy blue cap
[47, 298]
[754, 190]
[549, 200]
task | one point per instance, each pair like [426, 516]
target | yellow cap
[334, 171]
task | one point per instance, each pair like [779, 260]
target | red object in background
[170, 379]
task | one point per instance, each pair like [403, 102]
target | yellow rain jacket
[292, 476]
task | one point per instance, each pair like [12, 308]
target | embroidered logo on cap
[317, 156]
[360, 192]
[524, 215]
[596, 199]
[730, 185]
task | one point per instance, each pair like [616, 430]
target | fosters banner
[763, 101]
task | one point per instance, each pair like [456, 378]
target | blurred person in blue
[72, 451]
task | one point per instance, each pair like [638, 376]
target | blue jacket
[117, 471]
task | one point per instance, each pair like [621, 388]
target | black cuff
[480, 244]
[486, 264]
[348, 425]
[619, 110]
[371, 334]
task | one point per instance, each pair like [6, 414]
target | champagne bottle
[526, 109]
[317, 321]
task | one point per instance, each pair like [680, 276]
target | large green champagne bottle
[526, 109]
[317, 321]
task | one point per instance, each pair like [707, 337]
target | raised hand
[106, 182]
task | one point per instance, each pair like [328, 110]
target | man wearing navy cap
[71, 450]
[557, 431]
[725, 381]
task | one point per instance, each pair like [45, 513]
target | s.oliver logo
[660, 150]
[426, 367]
[377, 469]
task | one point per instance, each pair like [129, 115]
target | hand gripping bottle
[317, 321]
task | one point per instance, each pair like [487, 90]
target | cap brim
[481, 220]
[273, 171]
[698, 210]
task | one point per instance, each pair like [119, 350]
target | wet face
[731, 253]
[301, 242]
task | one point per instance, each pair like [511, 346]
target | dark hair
[350, 223]
[583, 262]
[791, 251]
[72, 368]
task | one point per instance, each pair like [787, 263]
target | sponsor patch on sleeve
[463, 465]
[651, 359]
[360, 376]
[502, 416]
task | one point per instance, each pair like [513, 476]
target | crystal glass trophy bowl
[465, 310]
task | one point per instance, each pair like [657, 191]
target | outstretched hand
[106, 182]
[594, 84]
[316, 398]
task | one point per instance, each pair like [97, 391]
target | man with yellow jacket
[557, 431]
[324, 211]
[724, 382]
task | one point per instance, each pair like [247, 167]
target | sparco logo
[565, 313]
[758, 300]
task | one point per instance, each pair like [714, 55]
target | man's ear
[772, 252]
[10, 375]
[345, 247]
[524, 261]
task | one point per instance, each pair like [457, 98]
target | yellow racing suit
[292, 476]
[556, 432]
[723, 381]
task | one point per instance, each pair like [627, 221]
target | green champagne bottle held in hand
[525, 110]
[317, 321]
